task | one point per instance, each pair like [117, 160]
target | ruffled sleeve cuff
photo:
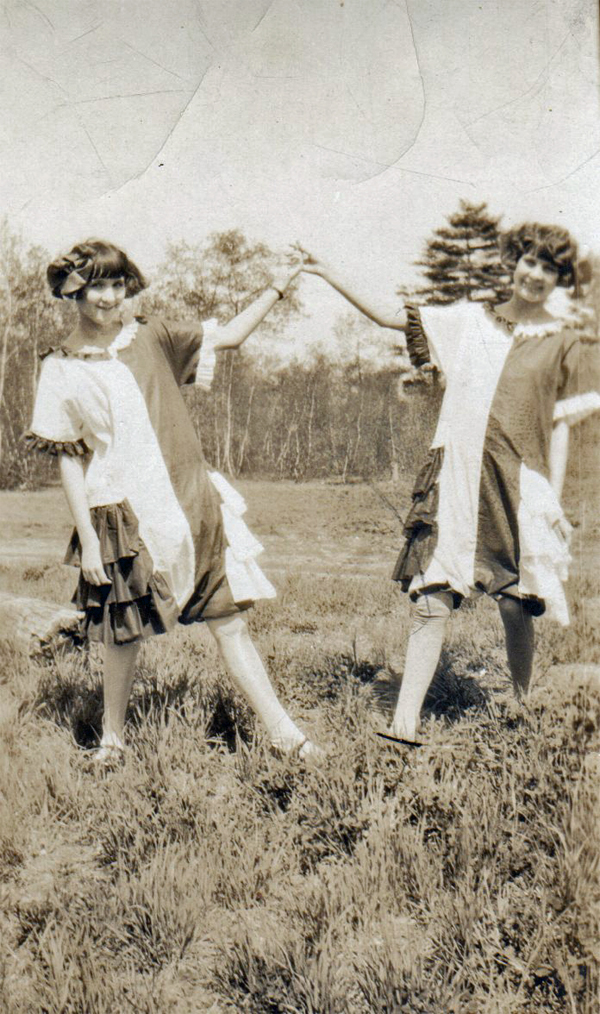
[74, 448]
[416, 339]
[207, 360]
[572, 410]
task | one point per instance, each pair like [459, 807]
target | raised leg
[119, 671]
[246, 668]
[520, 643]
[429, 617]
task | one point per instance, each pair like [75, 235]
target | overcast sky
[353, 125]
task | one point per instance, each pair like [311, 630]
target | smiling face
[534, 279]
[101, 300]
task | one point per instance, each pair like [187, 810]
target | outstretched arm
[383, 313]
[71, 473]
[234, 333]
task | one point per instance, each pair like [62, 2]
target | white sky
[353, 125]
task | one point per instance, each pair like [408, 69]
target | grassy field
[208, 875]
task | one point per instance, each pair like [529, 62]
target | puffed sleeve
[207, 361]
[190, 351]
[56, 426]
[579, 391]
[432, 334]
[416, 339]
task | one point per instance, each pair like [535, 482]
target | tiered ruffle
[544, 552]
[207, 358]
[420, 527]
[245, 578]
[416, 340]
[138, 602]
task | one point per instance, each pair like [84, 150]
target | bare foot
[111, 750]
[310, 751]
[109, 755]
[304, 749]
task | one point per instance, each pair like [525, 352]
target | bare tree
[29, 320]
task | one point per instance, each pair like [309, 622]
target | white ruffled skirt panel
[246, 579]
[544, 553]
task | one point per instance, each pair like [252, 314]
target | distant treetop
[462, 259]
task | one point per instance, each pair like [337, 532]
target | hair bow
[77, 279]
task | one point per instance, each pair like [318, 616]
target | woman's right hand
[91, 564]
[286, 274]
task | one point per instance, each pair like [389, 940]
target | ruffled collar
[519, 330]
[121, 341]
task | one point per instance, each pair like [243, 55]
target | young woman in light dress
[160, 539]
[486, 513]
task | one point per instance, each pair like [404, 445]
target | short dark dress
[172, 538]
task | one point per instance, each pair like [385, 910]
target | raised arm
[71, 473]
[234, 333]
[384, 313]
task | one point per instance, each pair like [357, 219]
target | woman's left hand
[563, 529]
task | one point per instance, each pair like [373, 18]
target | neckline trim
[522, 330]
[121, 341]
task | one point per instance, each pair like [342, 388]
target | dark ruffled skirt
[420, 528]
[137, 603]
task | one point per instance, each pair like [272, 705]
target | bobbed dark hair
[69, 275]
[551, 243]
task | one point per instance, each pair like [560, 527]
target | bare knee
[432, 606]
[228, 628]
[122, 654]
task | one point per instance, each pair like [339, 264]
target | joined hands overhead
[308, 261]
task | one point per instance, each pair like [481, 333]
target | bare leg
[119, 671]
[520, 643]
[246, 668]
[429, 614]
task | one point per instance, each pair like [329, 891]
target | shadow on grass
[456, 688]
[451, 695]
[72, 697]
[207, 704]
[70, 694]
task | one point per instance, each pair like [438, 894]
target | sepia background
[353, 125]
[207, 875]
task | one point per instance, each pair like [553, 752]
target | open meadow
[208, 875]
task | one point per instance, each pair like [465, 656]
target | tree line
[311, 419]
